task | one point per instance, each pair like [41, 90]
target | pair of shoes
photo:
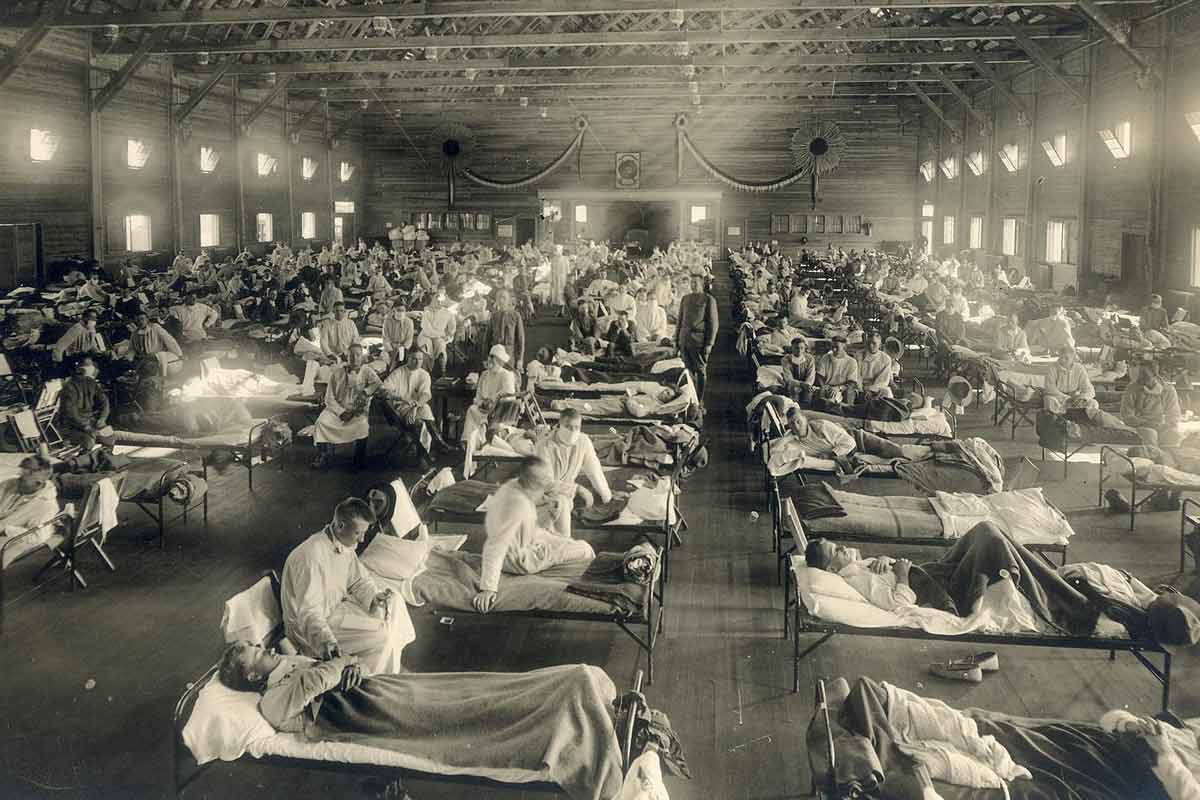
[968, 668]
[1116, 503]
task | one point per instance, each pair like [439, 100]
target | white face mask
[568, 437]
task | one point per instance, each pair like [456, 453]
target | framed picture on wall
[799, 223]
[818, 224]
[483, 222]
[451, 220]
[779, 223]
[468, 221]
[835, 223]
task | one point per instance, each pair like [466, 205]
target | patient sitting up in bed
[515, 543]
[554, 724]
[568, 451]
[27, 500]
[957, 581]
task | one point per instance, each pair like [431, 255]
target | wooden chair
[1009, 408]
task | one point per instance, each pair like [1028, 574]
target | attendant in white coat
[651, 319]
[346, 416]
[515, 544]
[494, 382]
[567, 451]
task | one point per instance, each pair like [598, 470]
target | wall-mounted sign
[504, 231]
[734, 230]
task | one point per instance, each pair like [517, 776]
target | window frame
[216, 162]
[51, 141]
[131, 161]
[692, 217]
[927, 235]
[977, 163]
[581, 219]
[1055, 149]
[1056, 250]
[1195, 257]
[975, 225]
[1010, 157]
[266, 168]
[1015, 224]
[269, 218]
[345, 171]
[308, 168]
[308, 225]
[210, 218]
[949, 229]
[129, 233]
[928, 211]
[344, 207]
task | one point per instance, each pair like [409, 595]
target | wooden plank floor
[723, 673]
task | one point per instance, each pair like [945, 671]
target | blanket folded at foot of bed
[618, 578]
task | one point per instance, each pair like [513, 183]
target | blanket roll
[639, 563]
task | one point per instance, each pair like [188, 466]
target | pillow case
[224, 723]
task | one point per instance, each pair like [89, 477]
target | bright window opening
[137, 153]
[948, 230]
[137, 233]
[698, 214]
[927, 234]
[308, 168]
[950, 167]
[1196, 257]
[1193, 121]
[927, 209]
[552, 211]
[1010, 157]
[345, 171]
[343, 206]
[43, 144]
[264, 226]
[308, 225]
[1056, 149]
[1056, 242]
[209, 158]
[339, 230]
[927, 171]
[267, 165]
[976, 163]
[1009, 238]
[581, 214]
[210, 230]
[975, 233]
[1119, 140]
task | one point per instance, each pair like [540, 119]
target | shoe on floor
[957, 671]
[987, 661]
[1116, 502]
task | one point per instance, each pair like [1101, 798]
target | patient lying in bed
[1067, 600]
[551, 724]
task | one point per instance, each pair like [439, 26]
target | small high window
[210, 230]
[43, 144]
[267, 165]
[209, 158]
[137, 233]
[308, 168]
[264, 226]
[308, 225]
[345, 172]
[137, 153]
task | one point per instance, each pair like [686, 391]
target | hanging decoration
[581, 126]
[455, 147]
[816, 151]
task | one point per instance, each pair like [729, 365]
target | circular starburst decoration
[817, 149]
[455, 145]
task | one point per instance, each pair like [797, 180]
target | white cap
[499, 352]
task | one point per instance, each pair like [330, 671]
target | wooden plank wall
[873, 181]
[1117, 192]
[49, 91]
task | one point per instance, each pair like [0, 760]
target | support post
[1083, 246]
[289, 165]
[1046, 62]
[1030, 184]
[1156, 214]
[329, 174]
[1118, 31]
[960, 94]
[240, 157]
[95, 165]
[173, 147]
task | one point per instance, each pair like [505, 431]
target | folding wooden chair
[44, 411]
[86, 529]
[1011, 409]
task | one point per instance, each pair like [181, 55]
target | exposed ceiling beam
[1001, 86]
[343, 128]
[299, 124]
[935, 108]
[508, 104]
[135, 61]
[630, 38]
[703, 78]
[39, 27]
[979, 116]
[1119, 31]
[263, 104]
[436, 9]
[197, 96]
[1047, 62]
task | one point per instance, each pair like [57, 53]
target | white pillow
[224, 723]
[395, 559]
[252, 614]
[829, 597]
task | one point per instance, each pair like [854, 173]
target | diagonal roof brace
[257, 111]
[1118, 31]
[935, 108]
[980, 117]
[199, 94]
[1001, 86]
[1047, 62]
[117, 82]
[33, 37]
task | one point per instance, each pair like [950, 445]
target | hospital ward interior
[599, 399]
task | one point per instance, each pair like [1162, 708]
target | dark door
[526, 230]
[1133, 259]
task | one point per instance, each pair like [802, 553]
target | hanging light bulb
[524, 101]
[471, 73]
[431, 54]
[269, 79]
[112, 31]
[202, 58]
[681, 49]
[364, 104]
[381, 24]
[689, 70]
[500, 90]
[694, 87]
[676, 17]
[695, 99]
[545, 112]
[323, 92]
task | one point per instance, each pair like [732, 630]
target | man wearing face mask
[338, 333]
[1068, 384]
[876, 369]
[80, 339]
[82, 416]
[346, 417]
[152, 348]
[1154, 316]
[398, 329]
[27, 500]
[1151, 405]
[567, 452]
